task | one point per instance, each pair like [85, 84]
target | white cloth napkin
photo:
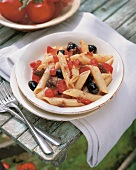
[103, 128]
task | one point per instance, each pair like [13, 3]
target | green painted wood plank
[12, 40]
[48, 125]
[90, 5]
[5, 34]
[109, 8]
[27, 141]
[4, 117]
[133, 38]
[128, 29]
[122, 15]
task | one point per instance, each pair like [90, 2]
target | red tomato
[53, 72]
[94, 62]
[51, 50]
[84, 101]
[53, 0]
[83, 69]
[108, 67]
[49, 92]
[6, 165]
[40, 12]
[58, 8]
[26, 166]
[33, 65]
[55, 58]
[36, 78]
[10, 9]
[61, 86]
[70, 64]
[76, 63]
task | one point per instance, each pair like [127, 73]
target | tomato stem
[24, 4]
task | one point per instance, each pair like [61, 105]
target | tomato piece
[108, 67]
[35, 78]
[26, 166]
[55, 91]
[76, 63]
[10, 9]
[56, 58]
[51, 50]
[33, 65]
[49, 93]
[40, 12]
[53, 72]
[70, 64]
[94, 62]
[84, 101]
[6, 165]
[83, 69]
[53, 0]
[61, 86]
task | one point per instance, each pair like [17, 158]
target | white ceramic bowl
[36, 51]
[72, 8]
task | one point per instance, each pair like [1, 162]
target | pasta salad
[71, 76]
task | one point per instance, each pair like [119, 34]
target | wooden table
[120, 15]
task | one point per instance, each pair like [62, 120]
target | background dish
[35, 110]
[65, 15]
[37, 50]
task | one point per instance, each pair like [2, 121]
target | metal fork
[42, 143]
[10, 100]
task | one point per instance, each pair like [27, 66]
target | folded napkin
[103, 128]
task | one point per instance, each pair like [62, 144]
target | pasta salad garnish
[71, 76]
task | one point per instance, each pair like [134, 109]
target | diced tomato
[61, 86]
[83, 69]
[49, 92]
[94, 62]
[53, 72]
[66, 52]
[55, 91]
[84, 101]
[26, 166]
[38, 62]
[35, 78]
[6, 165]
[108, 67]
[33, 65]
[51, 50]
[76, 63]
[70, 64]
[56, 58]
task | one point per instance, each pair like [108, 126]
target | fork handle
[50, 138]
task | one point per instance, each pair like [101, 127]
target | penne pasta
[84, 46]
[80, 94]
[63, 102]
[99, 79]
[42, 83]
[75, 74]
[82, 79]
[65, 69]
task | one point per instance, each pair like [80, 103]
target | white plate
[35, 110]
[37, 50]
[65, 15]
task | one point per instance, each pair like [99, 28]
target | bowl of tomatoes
[32, 15]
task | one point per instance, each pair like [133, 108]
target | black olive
[71, 46]
[92, 87]
[89, 79]
[92, 48]
[32, 85]
[61, 51]
[59, 73]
